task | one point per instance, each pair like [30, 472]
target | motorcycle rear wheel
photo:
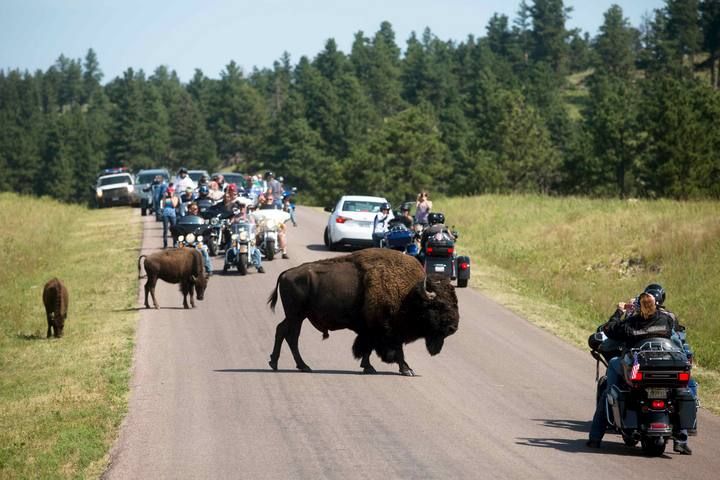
[462, 282]
[653, 446]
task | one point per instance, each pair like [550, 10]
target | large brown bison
[380, 294]
[175, 265]
[55, 298]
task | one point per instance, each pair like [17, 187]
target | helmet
[204, 190]
[404, 208]
[384, 206]
[269, 174]
[182, 170]
[657, 291]
[435, 218]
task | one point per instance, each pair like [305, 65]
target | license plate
[439, 268]
[364, 224]
[657, 393]
[115, 199]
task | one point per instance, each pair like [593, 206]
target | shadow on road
[574, 425]
[288, 370]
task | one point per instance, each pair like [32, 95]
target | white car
[351, 221]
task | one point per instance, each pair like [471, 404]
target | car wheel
[326, 238]
[143, 211]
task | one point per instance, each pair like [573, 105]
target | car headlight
[130, 188]
[98, 192]
[190, 237]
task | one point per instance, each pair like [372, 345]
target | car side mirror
[328, 209]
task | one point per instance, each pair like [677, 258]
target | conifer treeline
[528, 107]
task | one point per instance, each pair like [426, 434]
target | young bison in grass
[55, 298]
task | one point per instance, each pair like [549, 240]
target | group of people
[632, 321]
[182, 197]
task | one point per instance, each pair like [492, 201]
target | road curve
[504, 399]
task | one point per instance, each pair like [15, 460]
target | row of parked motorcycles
[433, 246]
[218, 229]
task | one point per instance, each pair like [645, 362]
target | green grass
[564, 263]
[62, 400]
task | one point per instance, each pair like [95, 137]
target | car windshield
[361, 206]
[149, 177]
[195, 176]
[235, 178]
[114, 179]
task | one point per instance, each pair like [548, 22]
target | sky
[189, 34]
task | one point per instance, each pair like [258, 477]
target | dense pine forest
[530, 106]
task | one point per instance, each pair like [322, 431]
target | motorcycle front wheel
[242, 264]
[270, 250]
[213, 246]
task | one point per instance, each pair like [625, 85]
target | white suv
[114, 189]
[351, 221]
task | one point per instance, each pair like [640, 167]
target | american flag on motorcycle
[635, 367]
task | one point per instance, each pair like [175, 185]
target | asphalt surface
[504, 399]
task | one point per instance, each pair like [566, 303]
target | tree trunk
[714, 71]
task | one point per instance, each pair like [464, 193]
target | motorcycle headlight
[243, 235]
[234, 236]
[181, 238]
[200, 238]
[190, 237]
[214, 221]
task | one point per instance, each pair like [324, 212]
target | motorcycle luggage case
[661, 368]
[398, 238]
[439, 245]
[686, 409]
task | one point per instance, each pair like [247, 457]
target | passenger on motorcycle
[646, 321]
[405, 218]
[187, 197]
[380, 224]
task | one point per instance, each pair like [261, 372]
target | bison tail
[140, 258]
[272, 299]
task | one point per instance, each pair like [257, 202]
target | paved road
[504, 399]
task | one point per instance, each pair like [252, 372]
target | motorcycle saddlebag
[686, 409]
[623, 417]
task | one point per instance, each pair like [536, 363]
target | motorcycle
[241, 240]
[190, 224]
[439, 256]
[399, 237]
[654, 401]
[268, 224]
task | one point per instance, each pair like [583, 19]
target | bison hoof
[304, 368]
[408, 373]
[273, 364]
[369, 370]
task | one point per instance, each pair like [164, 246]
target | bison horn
[194, 278]
[430, 295]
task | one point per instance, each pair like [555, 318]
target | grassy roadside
[62, 400]
[564, 263]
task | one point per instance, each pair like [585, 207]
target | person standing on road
[423, 205]
[169, 216]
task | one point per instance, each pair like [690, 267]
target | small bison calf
[55, 298]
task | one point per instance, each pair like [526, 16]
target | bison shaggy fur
[55, 298]
[380, 294]
[175, 265]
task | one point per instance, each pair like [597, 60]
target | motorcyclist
[186, 198]
[647, 320]
[405, 218]
[194, 210]
[204, 201]
[380, 224]
[183, 180]
[241, 215]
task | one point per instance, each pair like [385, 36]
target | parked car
[233, 177]
[114, 189]
[143, 193]
[351, 221]
[196, 174]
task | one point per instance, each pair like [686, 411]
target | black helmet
[203, 190]
[182, 170]
[384, 206]
[269, 174]
[435, 218]
[657, 291]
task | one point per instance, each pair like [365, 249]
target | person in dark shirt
[645, 322]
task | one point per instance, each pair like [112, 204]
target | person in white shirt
[380, 225]
[183, 181]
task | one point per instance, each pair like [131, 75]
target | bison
[380, 294]
[55, 298]
[175, 265]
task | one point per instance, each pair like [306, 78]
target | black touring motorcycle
[654, 401]
[438, 254]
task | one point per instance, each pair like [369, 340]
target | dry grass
[564, 263]
[62, 400]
